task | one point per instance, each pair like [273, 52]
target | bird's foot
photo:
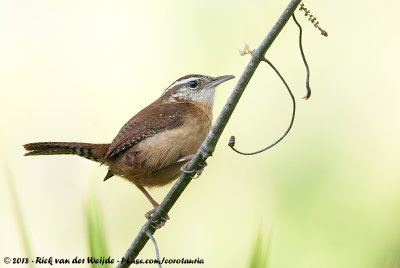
[198, 173]
[158, 224]
[184, 169]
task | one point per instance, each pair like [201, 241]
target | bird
[152, 148]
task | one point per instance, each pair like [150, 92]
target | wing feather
[153, 119]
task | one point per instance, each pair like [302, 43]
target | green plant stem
[18, 214]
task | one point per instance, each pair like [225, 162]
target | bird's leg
[155, 205]
[184, 167]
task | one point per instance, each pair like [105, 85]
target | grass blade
[260, 253]
[97, 244]
[14, 201]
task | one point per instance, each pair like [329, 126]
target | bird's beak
[220, 79]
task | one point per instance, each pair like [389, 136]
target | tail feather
[95, 152]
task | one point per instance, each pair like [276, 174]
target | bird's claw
[149, 213]
[198, 173]
[184, 170]
[162, 222]
[165, 218]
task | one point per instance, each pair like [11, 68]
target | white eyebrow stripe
[181, 82]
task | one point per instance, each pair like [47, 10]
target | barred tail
[95, 152]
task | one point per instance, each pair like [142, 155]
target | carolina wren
[151, 148]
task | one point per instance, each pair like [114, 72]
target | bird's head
[196, 87]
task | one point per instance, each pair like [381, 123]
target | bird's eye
[192, 84]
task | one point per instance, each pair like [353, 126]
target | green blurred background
[327, 196]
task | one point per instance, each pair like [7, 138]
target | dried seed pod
[312, 19]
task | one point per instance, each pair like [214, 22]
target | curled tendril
[155, 246]
[304, 59]
[232, 140]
